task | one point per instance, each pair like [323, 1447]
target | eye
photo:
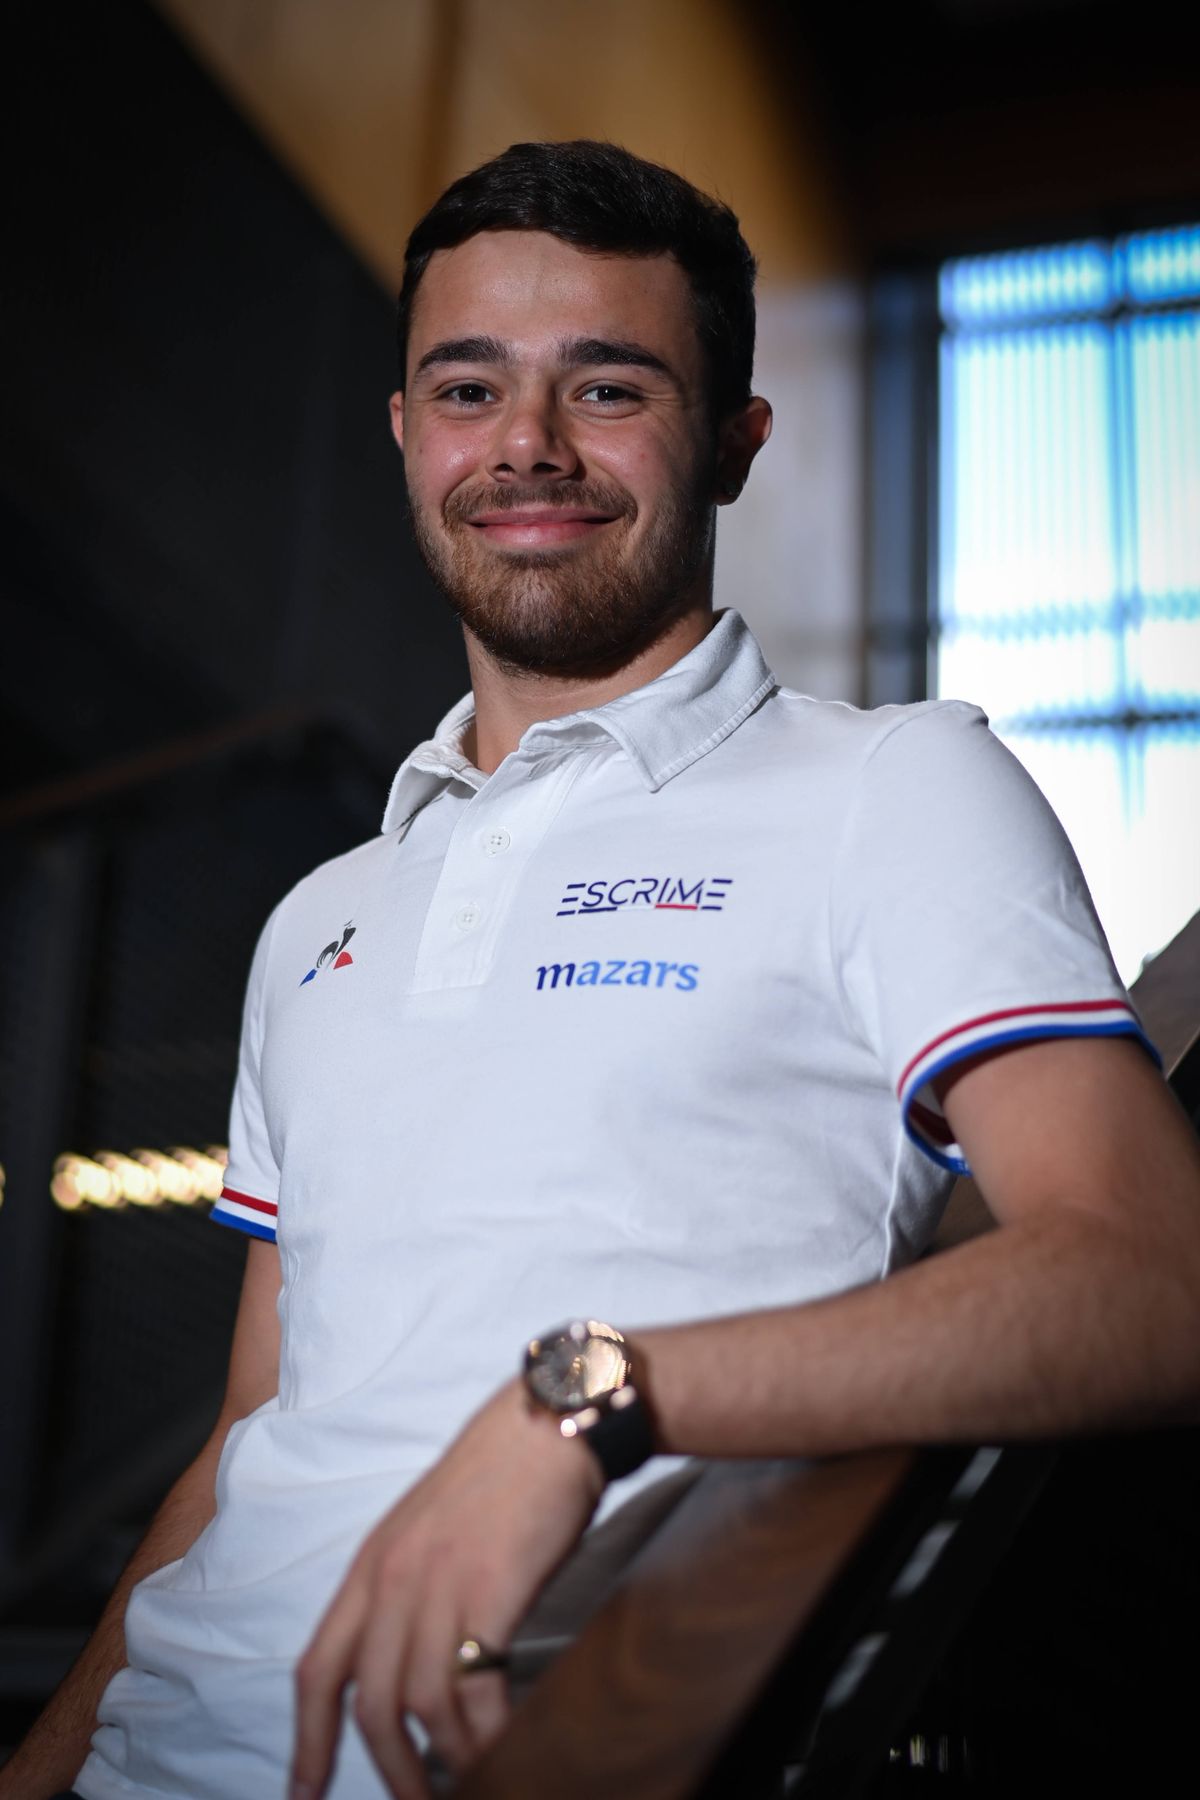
[467, 393]
[608, 393]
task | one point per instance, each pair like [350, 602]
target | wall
[375, 106]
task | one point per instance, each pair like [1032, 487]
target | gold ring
[476, 1657]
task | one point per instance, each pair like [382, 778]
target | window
[1068, 549]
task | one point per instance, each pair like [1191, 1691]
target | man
[666, 1001]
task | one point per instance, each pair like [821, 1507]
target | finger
[321, 1677]
[380, 1698]
[485, 1707]
[484, 1698]
[380, 1718]
[432, 1687]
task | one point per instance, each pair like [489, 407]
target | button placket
[484, 865]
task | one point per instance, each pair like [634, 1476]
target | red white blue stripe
[924, 1120]
[245, 1213]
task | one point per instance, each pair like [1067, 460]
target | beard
[583, 609]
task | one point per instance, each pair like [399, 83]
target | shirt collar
[662, 727]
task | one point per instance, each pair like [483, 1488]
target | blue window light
[1067, 593]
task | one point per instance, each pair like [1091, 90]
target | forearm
[1044, 1327]
[55, 1749]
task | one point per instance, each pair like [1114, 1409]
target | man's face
[560, 460]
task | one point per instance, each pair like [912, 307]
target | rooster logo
[334, 955]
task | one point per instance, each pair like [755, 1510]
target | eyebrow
[468, 349]
[572, 352]
[588, 352]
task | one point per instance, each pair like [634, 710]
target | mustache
[594, 496]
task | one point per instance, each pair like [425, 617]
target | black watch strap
[619, 1432]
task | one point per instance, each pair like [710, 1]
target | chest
[609, 1021]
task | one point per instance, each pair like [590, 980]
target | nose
[531, 440]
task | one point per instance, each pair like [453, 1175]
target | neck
[508, 701]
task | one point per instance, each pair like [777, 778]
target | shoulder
[868, 729]
[792, 710]
[324, 901]
[850, 739]
[340, 875]
[936, 774]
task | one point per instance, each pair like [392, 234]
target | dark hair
[600, 197]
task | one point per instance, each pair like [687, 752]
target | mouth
[539, 527]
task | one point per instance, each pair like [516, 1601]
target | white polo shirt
[640, 1027]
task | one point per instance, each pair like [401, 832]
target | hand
[461, 1555]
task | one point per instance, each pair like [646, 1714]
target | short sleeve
[250, 1197]
[960, 918]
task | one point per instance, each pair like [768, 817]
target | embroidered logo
[657, 893]
[334, 955]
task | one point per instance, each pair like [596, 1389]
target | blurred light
[1060, 281]
[79, 1181]
[178, 1177]
[134, 1183]
[172, 1180]
[1162, 265]
[207, 1168]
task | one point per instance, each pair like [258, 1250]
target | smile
[535, 528]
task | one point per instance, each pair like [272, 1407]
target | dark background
[218, 643]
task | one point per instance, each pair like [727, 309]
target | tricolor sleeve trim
[245, 1213]
[924, 1120]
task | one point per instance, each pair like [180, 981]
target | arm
[1081, 1313]
[53, 1752]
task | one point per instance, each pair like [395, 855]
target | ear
[396, 406]
[741, 437]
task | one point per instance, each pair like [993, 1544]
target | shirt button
[496, 841]
[467, 917]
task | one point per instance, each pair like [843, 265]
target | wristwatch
[581, 1373]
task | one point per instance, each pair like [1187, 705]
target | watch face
[581, 1362]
